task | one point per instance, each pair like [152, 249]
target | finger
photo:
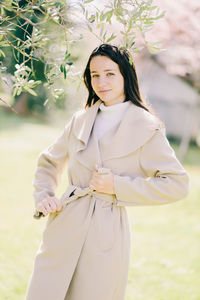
[96, 176]
[52, 204]
[58, 203]
[39, 206]
[45, 212]
[92, 187]
[94, 183]
[43, 209]
[46, 205]
[91, 183]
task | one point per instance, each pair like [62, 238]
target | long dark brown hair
[127, 68]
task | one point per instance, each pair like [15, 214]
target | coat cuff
[120, 188]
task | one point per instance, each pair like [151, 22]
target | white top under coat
[108, 116]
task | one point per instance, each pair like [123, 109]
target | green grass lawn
[165, 260]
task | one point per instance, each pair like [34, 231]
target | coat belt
[74, 192]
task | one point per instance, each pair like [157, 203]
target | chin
[107, 103]
[106, 99]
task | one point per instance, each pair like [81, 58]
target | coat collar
[136, 128]
[133, 131]
[85, 122]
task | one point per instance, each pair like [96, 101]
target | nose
[101, 81]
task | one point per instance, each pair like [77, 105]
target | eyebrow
[104, 70]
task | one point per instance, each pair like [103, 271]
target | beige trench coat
[85, 250]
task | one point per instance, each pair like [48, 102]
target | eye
[95, 75]
[110, 74]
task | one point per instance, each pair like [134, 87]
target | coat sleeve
[165, 180]
[50, 165]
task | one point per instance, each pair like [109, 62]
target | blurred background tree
[181, 29]
[29, 33]
[173, 76]
[37, 39]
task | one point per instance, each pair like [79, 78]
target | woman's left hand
[103, 183]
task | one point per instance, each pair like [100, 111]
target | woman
[117, 156]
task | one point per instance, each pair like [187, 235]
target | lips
[104, 91]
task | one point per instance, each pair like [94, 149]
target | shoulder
[76, 121]
[79, 117]
[76, 117]
[80, 114]
[145, 120]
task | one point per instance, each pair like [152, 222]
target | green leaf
[15, 4]
[89, 27]
[91, 19]
[104, 36]
[33, 83]
[58, 92]
[86, 14]
[133, 43]
[18, 91]
[111, 38]
[67, 55]
[109, 15]
[102, 17]
[138, 49]
[2, 11]
[152, 7]
[148, 22]
[130, 25]
[69, 63]
[130, 60]
[157, 42]
[2, 53]
[46, 101]
[101, 31]
[18, 55]
[32, 92]
[7, 8]
[14, 92]
[4, 44]
[88, 1]
[61, 68]
[65, 72]
[158, 17]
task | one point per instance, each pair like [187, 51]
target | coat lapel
[133, 131]
[87, 150]
[84, 123]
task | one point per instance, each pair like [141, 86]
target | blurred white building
[176, 103]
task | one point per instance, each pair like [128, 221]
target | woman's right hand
[49, 205]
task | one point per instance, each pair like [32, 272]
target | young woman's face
[107, 80]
